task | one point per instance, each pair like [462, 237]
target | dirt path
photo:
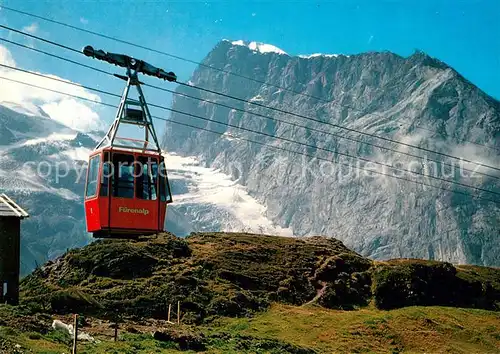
[322, 285]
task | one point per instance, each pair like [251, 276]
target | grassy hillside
[211, 274]
[293, 329]
[221, 274]
[243, 293]
[411, 329]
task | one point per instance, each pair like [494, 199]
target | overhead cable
[262, 105]
[260, 115]
[259, 133]
[170, 55]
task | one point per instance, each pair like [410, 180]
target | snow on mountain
[259, 47]
[54, 137]
[211, 201]
[29, 160]
[43, 153]
[26, 108]
[269, 48]
[41, 168]
[78, 154]
[315, 55]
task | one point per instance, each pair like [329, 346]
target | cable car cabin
[126, 193]
[127, 189]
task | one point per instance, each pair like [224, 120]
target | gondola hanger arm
[126, 61]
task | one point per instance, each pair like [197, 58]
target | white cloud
[74, 114]
[33, 28]
[84, 21]
[5, 57]
[64, 109]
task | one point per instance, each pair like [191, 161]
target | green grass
[130, 344]
[51, 344]
[409, 330]
[35, 342]
[287, 329]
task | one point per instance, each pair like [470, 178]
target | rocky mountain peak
[418, 100]
[419, 57]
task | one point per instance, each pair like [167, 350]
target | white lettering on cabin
[133, 211]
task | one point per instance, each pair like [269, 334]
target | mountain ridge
[418, 56]
[379, 93]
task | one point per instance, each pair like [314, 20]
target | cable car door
[147, 201]
[122, 205]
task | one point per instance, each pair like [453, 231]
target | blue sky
[464, 34]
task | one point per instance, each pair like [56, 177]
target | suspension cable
[453, 166]
[254, 141]
[287, 112]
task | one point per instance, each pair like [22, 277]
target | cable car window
[91, 188]
[165, 194]
[105, 175]
[147, 177]
[123, 177]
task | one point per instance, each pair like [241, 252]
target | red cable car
[127, 188]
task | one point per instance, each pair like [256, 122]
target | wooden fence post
[178, 312]
[116, 331]
[75, 330]
[169, 309]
